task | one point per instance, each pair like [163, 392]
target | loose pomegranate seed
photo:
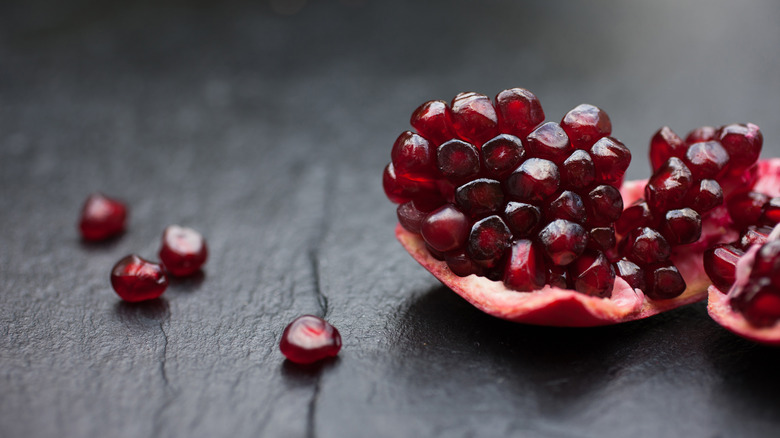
[135, 279]
[632, 273]
[534, 180]
[668, 185]
[410, 217]
[549, 141]
[585, 124]
[664, 145]
[102, 217]
[474, 118]
[746, 208]
[501, 155]
[753, 235]
[522, 218]
[604, 205]
[720, 264]
[488, 239]
[705, 133]
[183, 250]
[519, 111]
[401, 189]
[645, 245]
[461, 264]
[525, 268]
[413, 157]
[637, 215]
[705, 196]
[681, 226]
[480, 197]
[743, 144]
[568, 205]
[563, 241]
[611, 159]
[558, 276]
[602, 238]
[663, 282]
[457, 160]
[432, 121]
[706, 160]
[593, 274]
[771, 212]
[445, 229]
[578, 171]
[309, 339]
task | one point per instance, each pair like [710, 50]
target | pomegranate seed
[534, 180]
[563, 241]
[611, 159]
[413, 157]
[705, 196]
[668, 185]
[585, 124]
[488, 239]
[602, 238]
[720, 264]
[522, 218]
[705, 133]
[578, 171]
[663, 282]
[474, 118]
[480, 197]
[461, 264]
[558, 276]
[438, 255]
[410, 217]
[631, 273]
[549, 141]
[501, 155]
[593, 274]
[665, 144]
[135, 279]
[766, 265]
[400, 189]
[771, 212]
[637, 215]
[519, 111]
[183, 250]
[309, 339]
[706, 160]
[759, 303]
[743, 144]
[604, 205]
[568, 205]
[645, 245]
[457, 160]
[445, 229]
[102, 217]
[525, 268]
[681, 226]
[432, 121]
[753, 235]
[746, 208]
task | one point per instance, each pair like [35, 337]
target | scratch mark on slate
[164, 356]
[313, 409]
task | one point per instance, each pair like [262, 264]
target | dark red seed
[663, 282]
[432, 121]
[438, 255]
[771, 212]
[445, 229]
[645, 245]
[457, 160]
[183, 251]
[611, 159]
[410, 217]
[558, 276]
[668, 186]
[563, 241]
[637, 215]
[501, 155]
[743, 144]
[480, 197]
[461, 264]
[592, 274]
[720, 264]
[681, 227]
[578, 171]
[549, 141]
[759, 303]
[522, 218]
[746, 208]
[102, 217]
[309, 339]
[135, 279]
[665, 144]
[766, 266]
[525, 269]
[706, 159]
[753, 235]
[705, 196]
[519, 111]
[413, 156]
[534, 180]
[489, 238]
[568, 205]
[604, 205]
[705, 133]
[586, 124]
[602, 238]
[400, 189]
[474, 118]
[632, 273]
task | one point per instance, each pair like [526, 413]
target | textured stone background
[266, 126]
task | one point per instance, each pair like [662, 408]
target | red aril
[135, 279]
[183, 250]
[102, 217]
[308, 339]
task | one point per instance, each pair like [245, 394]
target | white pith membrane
[558, 307]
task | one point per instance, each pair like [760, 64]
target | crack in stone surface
[311, 415]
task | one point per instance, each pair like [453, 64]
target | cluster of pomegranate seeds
[495, 191]
[183, 250]
[135, 279]
[102, 218]
[309, 339]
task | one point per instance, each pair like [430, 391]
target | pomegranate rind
[720, 310]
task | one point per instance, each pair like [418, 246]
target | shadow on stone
[306, 373]
[143, 313]
[188, 284]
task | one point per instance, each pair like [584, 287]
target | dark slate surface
[266, 126]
